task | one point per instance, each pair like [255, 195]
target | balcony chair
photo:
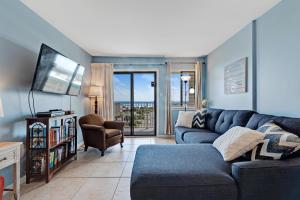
[101, 134]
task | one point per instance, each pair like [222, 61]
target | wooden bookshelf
[51, 143]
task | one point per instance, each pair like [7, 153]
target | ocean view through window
[134, 102]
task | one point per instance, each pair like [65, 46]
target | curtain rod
[138, 63]
[182, 62]
[164, 63]
[157, 63]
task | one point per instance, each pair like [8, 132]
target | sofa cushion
[185, 119]
[176, 172]
[180, 131]
[257, 120]
[109, 133]
[277, 144]
[231, 118]
[289, 124]
[211, 118]
[203, 136]
[237, 141]
[199, 119]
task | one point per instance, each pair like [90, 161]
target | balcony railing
[143, 114]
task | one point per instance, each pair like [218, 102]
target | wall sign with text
[235, 77]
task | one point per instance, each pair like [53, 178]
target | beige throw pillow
[237, 141]
[185, 119]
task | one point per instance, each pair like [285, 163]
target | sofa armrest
[268, 179]
[114, 125]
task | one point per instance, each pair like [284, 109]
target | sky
[142, 87]
[143, 91]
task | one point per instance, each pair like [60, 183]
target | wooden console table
[10, 155]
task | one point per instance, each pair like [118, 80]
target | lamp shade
[185, 77]
[95, 91]
[1, 109]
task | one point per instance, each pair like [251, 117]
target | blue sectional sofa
[194, 169]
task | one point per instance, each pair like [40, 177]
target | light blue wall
[278, 53]
[21, 35]
[278, 49]
[151, 64]
[237, 47]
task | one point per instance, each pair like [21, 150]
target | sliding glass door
[135, 102]
[122, 100]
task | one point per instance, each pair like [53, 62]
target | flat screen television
[56, 73]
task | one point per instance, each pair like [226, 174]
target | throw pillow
[199, 119]
[237, 141]
[277, 143]
[185, 119]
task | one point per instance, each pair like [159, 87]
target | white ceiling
[183, 28]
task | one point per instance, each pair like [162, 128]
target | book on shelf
[57, 156]
[58, 134]
[69, 128]
[55, 135]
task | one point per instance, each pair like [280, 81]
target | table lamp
[96, 91]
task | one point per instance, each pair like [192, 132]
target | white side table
[10, 155]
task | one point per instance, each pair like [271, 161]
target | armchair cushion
[109, 133]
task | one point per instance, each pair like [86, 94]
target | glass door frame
[131, 73]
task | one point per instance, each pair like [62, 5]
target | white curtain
[169, 120]
[102, 75]
[198, 86]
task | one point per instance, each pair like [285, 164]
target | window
[178, 89]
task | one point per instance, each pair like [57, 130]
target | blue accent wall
[272, 43]
[21, 35]
[237, 47]
[278, 59]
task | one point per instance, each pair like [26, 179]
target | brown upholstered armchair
[101, 134]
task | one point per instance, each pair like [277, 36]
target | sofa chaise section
[194, 169]
[181, 172]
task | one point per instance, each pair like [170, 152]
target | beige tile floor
[91, 176]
